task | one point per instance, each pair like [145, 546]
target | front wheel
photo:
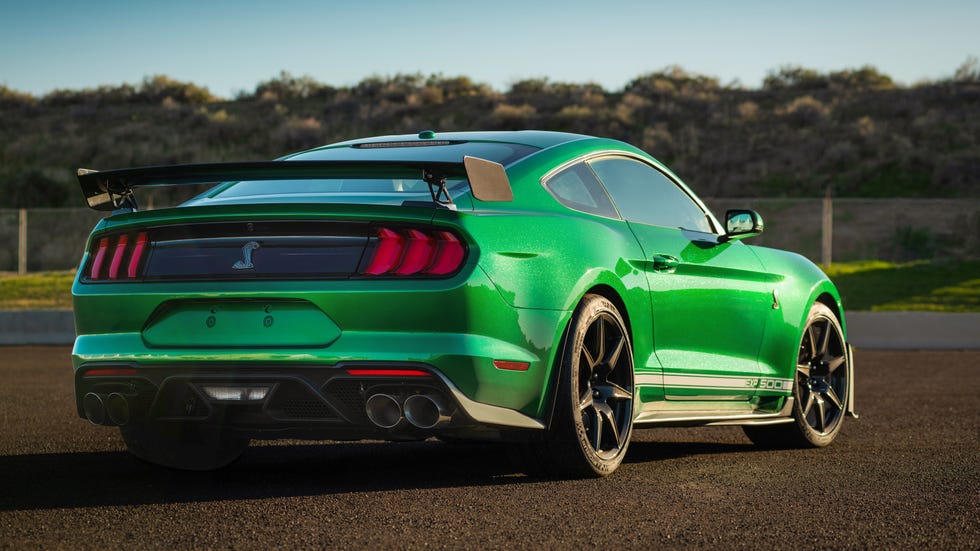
[183, 446]
[593, 417]
[820, 390]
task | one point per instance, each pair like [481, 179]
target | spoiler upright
[108, 190]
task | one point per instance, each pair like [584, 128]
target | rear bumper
[308, 401]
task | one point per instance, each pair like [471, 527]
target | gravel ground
[905, 475]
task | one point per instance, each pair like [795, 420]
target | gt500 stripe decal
[713, 382]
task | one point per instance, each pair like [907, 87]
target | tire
[182, 445]
[820, 388]
[593, 419]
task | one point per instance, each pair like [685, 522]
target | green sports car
[552, 291]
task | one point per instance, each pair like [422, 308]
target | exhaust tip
[117, 407]
[384, 411]
[94, 408]
[426, 411]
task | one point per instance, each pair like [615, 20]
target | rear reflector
[511, 366]
[388, 372]
[416, 252]
[111, 371]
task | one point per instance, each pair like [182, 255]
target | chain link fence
[882, 229]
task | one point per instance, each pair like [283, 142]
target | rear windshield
[366, 190]
[360, 186]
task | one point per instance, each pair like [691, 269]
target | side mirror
[742, 223]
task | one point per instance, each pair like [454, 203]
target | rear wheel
[593, 418]
[183, 445]
[820, 388]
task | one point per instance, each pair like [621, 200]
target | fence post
[22, 242]
[827, 248]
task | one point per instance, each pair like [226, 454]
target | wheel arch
[614, 295]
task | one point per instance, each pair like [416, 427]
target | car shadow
[115, 478]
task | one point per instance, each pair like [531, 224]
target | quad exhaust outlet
[112, 410]
[422, 411]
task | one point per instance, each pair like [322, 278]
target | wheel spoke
[596, 435]
[821, 415]
[809, 404]
[607, 417]
[601, 338]
[831, 395]
[589, 361]
[833, 364]
[612, 391]
[803, 369]
[824, 339]
[613, 358]
[585, 400]
[813, 341]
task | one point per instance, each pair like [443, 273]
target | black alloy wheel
[593, 416]
[604, 389]
[820, 389]
[821, 374]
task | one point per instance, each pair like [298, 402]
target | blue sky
[231, 46]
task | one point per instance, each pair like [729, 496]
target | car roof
[501, 147]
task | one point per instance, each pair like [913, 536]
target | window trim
[565, 203]
[656, 165]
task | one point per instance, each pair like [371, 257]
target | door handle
[664, 263]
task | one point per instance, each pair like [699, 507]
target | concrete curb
[36, 327]
[913, 330]
[882, 330]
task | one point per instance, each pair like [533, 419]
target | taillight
[388, 253]
[127, 253]
[99, 258]
[416, 252]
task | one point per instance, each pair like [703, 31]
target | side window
[577, 188]
[644, 194]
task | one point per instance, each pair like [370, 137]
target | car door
[710, 299]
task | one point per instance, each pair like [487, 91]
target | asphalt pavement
[904, 475]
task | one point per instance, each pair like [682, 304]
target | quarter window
[644, 194]
[576, 187]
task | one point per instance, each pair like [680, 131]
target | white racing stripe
[713, 382]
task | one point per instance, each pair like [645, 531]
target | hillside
[800, 132]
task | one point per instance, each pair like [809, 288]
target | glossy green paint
[705, 330]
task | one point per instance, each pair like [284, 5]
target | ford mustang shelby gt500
[549, 290]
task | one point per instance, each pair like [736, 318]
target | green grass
[937, 286]
[43, 290]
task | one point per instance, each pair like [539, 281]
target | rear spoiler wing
[108, 190]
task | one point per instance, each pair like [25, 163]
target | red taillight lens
[117, 256]
[389, 252]
[99, 258]
[421, 248]
[134, 260]
[415, 252]
[127, 254]
[450, 254]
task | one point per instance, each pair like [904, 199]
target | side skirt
[705, 418]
